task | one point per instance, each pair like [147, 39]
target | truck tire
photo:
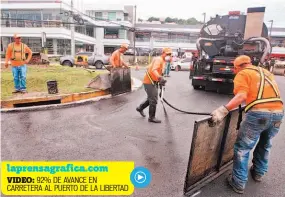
[99, 64]
[196, 87]
[67, 63]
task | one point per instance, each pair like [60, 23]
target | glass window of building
[143, 36]
[112, 16]
[160, 37]
[111, 33]
[5, 15]
[90, 31]
[98, 15]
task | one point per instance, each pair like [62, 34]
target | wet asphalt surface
[112, 130]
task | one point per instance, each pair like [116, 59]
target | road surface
[112, 130]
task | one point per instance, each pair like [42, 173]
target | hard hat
[17, 36]
[126, 46]
[243, 59]
[167, 50]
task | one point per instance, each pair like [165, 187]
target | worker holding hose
[264, 110]
[152, 79]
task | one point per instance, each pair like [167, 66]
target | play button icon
[141, 177]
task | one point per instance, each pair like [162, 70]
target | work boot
[16, 91]
[233, 185]
[23, 91]
[254, 175]
[152, 110]
[142, 107]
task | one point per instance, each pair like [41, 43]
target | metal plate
[120, 80]
[211, 151]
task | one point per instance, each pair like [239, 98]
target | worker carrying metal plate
[116, 59]
[152, 79]
[264, 110]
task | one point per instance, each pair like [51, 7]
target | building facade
[105, 28]
[183, 37]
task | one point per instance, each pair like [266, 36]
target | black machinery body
[221, 41]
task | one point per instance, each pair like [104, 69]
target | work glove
[219, 114]
[162, 81]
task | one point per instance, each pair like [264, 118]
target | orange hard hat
[126, 46]
[243, 59]
[167, 50]
[17, 36]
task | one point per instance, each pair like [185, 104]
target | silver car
[94, 60]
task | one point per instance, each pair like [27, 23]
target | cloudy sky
[275, 9]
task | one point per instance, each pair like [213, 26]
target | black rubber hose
[186, 112]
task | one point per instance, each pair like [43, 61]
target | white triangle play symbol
[140, 177]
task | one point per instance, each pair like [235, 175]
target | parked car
[95, 60]
[183, 64]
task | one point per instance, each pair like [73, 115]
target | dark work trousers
[152, 96]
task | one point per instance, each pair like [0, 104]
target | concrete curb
[137, 85]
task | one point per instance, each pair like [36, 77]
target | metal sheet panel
[211, 151]
[120, 80]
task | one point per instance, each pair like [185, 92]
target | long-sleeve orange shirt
[18, 54]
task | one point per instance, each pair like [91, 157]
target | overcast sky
[275, 9]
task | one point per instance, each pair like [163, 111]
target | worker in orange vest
[264, 110]
[16, 54]
[152, 79]
[116, 59]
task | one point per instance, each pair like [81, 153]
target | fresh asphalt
[112, 130]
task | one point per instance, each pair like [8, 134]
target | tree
[152, 19]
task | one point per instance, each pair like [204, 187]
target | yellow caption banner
[66, 178]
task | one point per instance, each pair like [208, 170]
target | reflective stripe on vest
[149, 77]
[259, 98]
[23, 55]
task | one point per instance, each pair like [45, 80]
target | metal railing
[168, 40]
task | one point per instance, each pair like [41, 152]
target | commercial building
[183, 37]
[35, 18]
[105, 28]
[114, 21]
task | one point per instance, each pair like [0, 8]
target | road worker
[116, 59]
[16, 54]
[152, 79]
[263, 115]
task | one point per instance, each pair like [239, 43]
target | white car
[183, 64]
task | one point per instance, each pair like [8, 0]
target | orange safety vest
[22, 51]
[259, 98]
[150, 78]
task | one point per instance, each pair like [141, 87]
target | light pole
[135, 35]
[72, 28]
[271, 21]
[204, 17]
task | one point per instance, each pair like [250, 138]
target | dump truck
[221, 40]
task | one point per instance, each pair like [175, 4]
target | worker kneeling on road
[116, 59]
[152, 79]
[264, 112]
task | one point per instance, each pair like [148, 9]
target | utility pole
[204, 17]
[135, 35]
[72, 31]
[270, 29]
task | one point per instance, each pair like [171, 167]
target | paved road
[113, 130]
